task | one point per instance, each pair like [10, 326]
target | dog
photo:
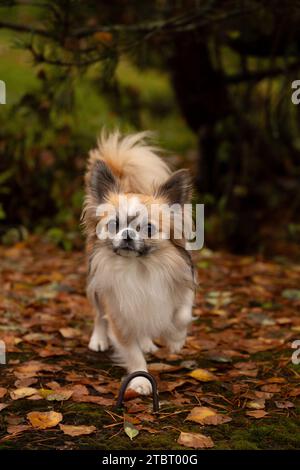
[141, 279]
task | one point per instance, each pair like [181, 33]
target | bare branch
[25, 29]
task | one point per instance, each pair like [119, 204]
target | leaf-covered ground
[234, 386]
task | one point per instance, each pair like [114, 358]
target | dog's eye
[113, 225]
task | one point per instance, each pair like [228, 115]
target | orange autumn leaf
[73, 431]
[44, 420]
[257, 414]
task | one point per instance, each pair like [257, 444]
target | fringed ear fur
[178, 188]
[101, 180]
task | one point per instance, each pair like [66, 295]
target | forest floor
[234, 386]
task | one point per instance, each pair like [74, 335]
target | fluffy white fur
[145, 297]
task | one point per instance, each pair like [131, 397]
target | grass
[274, 432]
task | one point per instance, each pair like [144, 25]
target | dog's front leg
[99, 338]
[131, 356]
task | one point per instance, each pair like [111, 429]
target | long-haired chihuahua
[141, 279]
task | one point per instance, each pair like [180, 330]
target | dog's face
[127, 224]
[134, 225]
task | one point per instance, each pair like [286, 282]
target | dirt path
[235, 373]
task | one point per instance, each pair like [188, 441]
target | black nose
[128, 234]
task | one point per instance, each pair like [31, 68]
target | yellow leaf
[204, 415]
[203, 375]
[258, 404]
[44, 420]
[44, 392]
[199, 413]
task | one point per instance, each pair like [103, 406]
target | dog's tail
[132, 160]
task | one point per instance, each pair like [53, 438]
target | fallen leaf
[150, 430]
[93, 399]
[14, 419]
[17, 428]
[73, 431]
[250, 365]
[79, 390]
[295, 392]
[130, 394]
[194, 440]
[258, 404]
[2, 392]
[202, 375]
[44, 420]
[32, 368]
[204, 415]
[103, 389]
[161, 367]
[261, 319]
[291, 294]
[271, 388]
[218, 298]
[60, 395]
[199, 413]
[3, 405]
[135, 408]
[257, 414]
[283, 320]
[284, 404]
[69, 333]
[44, 392]
[25, 382]
[130, 430]
[169, 387]
[265, 395]
[276, 380]
[22, 393]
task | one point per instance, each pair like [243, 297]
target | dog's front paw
[141, 385]
[98, 343]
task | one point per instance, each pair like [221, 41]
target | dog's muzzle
[129, 244]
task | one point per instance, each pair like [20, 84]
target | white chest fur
[143, 296]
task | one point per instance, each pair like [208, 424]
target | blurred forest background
[212, 78]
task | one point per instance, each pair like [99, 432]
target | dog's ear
[178, 188]
[101, 180]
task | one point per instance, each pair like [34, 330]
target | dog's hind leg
[183, 316]
[99, 338]
[147, 345]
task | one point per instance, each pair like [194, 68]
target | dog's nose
[129, 234]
